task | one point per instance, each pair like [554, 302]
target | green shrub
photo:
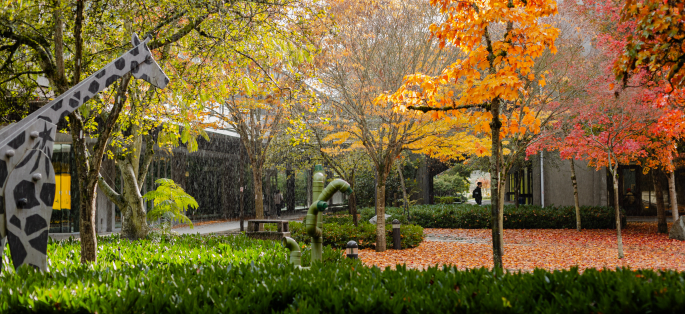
[444, 199]
[337, 235]
[468, 216]
[338, 219]
[274, 287]
[117, 252]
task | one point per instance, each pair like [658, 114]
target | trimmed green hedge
[274, 287]
[337, 235]
[467, 216]
[444, 199]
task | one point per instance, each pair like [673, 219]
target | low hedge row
[337, 235]
[116, 252]
[467, 216]
[275, 287]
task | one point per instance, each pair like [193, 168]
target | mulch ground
[527, 249]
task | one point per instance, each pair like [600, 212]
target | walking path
[229, 226]
[224, 227]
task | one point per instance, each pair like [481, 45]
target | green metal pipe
[295, 254]
[314, 220]
[318, 181]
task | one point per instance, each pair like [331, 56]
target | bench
[253, 229]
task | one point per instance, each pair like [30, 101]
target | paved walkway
[229, 226]
[226, 227]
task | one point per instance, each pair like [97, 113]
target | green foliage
[170, 201]
[444, 199]
[364, 186]
[446, 184]
[467, 216]
[337, 235]
[274, 287]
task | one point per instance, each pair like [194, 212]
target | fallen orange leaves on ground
[527, 249]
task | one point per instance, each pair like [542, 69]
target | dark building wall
[592, 183]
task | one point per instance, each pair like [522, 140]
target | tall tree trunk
[495, 175]
[672, 195]
[500, 219]
[134, 218]
[614, 174]
[517, 188]
[404, 191]
[380, 216]
[352, 203]
[575, 193]
[662, 227]
[258, 193]
[88, 194]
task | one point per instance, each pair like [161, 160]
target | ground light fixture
[352, 249]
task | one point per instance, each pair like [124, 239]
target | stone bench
[253, 229]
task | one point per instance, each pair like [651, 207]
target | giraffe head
[149, 70]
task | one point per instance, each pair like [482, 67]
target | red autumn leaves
[539, 248]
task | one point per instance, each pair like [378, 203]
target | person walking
[278, 199]
[477, 194]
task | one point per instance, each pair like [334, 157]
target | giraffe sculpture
[27, 179]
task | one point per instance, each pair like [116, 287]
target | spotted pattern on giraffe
[34, 223]
[18, 141]
[47, 193]
[94, 87]
[45, 118]
[57, 106]
[40, 243]
[100, 74]
[26, 190]
[120, 63]
[135, 51]
[134, 66]
[74, 103]
[17, 248]
[111, 79]
[15, 221]
[26, 159]
[3, 174]
[63, 115]
[77, 95]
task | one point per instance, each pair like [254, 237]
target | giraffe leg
[30, 192]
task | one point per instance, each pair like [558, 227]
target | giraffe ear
[135, 40]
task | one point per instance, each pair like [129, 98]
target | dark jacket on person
[477, 193]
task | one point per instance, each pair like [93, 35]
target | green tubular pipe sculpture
[295, 254]
[314, 220]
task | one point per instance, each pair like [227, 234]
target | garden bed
[467, 216]
[220, 274]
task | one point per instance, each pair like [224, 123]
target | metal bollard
[396, 238]
[352, 249]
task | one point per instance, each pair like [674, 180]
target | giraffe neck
[76, 96]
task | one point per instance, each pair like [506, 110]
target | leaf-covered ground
[541, 248]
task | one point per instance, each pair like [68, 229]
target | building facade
[546, 180]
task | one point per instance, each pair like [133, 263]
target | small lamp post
[352, 250]
[396, 241]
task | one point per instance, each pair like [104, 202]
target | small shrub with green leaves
[170, 202]
[444, 199]
[337, 235]
[468, 216]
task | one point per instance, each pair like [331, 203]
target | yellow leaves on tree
[500, 41]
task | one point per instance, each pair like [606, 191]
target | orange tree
[501, 40]
[374, 46]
